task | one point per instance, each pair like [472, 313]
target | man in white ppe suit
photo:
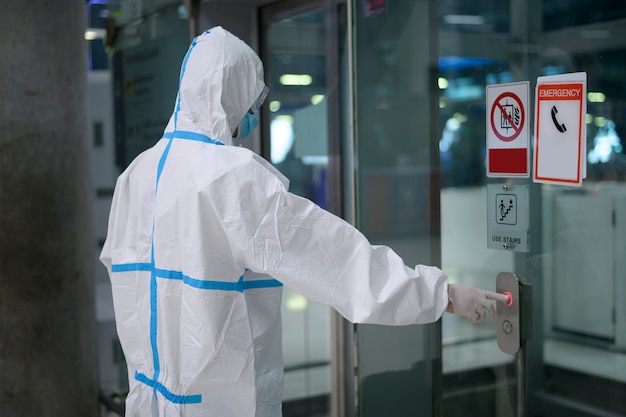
[203, 234]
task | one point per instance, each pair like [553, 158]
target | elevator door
[420, 71]
[574, 362]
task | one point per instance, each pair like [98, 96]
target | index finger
[497, 296]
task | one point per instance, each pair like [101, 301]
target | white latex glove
[473, 302]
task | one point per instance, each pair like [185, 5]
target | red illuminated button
[509, 299]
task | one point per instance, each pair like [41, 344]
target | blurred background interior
[376, 112]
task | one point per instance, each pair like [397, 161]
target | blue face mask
[248, 124]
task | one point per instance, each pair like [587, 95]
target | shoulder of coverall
[244, 163]
[143, 158]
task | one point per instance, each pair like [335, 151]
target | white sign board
[507, 130]
[507, 217]
[560, 130]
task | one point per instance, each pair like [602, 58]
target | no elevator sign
[507, 130]
[507, 116]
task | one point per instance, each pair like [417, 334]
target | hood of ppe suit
[220, 79]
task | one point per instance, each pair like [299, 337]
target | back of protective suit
[200, 332]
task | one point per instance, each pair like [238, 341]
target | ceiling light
[274, 105]
[459, 117]
[317, 99]
[596, 97]
[93, 34]
[296, 79]
[285, 117]
[296, 302]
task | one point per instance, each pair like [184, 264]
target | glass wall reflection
[296, 72]
[395, 168]
[576, 361]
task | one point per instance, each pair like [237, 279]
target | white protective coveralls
[201, 237]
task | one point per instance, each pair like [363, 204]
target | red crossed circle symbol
[517, 129]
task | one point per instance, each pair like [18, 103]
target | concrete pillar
[47, 320]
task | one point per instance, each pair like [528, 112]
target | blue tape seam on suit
[239, 286]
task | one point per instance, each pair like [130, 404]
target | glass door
[574, 363]
[397, 193]
[420, 70]
[303, 144]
